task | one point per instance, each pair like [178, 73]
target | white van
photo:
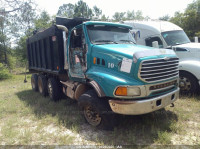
[164, 34]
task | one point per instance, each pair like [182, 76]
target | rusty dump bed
[46, 51]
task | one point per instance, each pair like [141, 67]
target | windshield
[105, 34]
[173, 38]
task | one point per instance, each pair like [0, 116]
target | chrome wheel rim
[185, 84]
[40, 86]
[92, 116]
[33, 83]
[50, 90]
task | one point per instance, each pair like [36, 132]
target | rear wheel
[34, 82]
[188, 83]
[96, 111]
[42, 85]
[53, 89]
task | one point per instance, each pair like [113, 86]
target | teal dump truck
[99, 65]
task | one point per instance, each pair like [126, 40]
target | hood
[128, 50]
[190, 46]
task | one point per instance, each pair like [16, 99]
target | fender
[105, 80]
[192, 66]
[97, 88]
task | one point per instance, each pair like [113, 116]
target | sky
[152, 8]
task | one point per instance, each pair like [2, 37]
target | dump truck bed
[46, 51]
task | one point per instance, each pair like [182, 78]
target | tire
[53, 89]
[34, 82]
[42, 85]
[96, 111]
[188, 83]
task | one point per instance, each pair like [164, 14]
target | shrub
[4, 72]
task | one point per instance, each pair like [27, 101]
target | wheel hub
[40, 86]
[33, 83]
[92, 116]
[50, 89]
[184, 84]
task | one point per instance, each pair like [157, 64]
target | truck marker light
[53, 38]
[121, 91]
[94, 60]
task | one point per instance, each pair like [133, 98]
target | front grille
[162, 91]
[164, 85]
[158, 69]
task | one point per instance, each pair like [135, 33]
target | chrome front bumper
[138, 107]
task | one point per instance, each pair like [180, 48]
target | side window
[152, 39]
[76, 38]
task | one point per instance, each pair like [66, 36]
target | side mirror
[136, 34]
[196, 40]
[155, 44]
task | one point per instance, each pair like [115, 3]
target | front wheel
[96, 111]
[188, 83]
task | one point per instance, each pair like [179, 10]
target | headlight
[133, 91]
[128, 91]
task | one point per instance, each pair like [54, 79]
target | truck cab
[105, 71]
[170, 36]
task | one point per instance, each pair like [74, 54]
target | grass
[27, 118]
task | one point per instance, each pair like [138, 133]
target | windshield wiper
[106, 41]
[127, 41]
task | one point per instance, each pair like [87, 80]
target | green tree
[66, 10]
[4, 39]
[13, 15]
[130, 15]
[44, 21]
[97, 12]
[81, 9]
[119, 16]
[104, 18]
[189, 20]
[178, 19]
[21, 14]
[139, 15]
[24, 21]
[20, 50]
[165, 18]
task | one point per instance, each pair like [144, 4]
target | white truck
[164, 34]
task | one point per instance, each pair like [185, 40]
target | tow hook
[172, 105]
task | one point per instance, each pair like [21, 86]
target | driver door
[77, 54]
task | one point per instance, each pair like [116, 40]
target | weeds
[29, 118]
[163, 137]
